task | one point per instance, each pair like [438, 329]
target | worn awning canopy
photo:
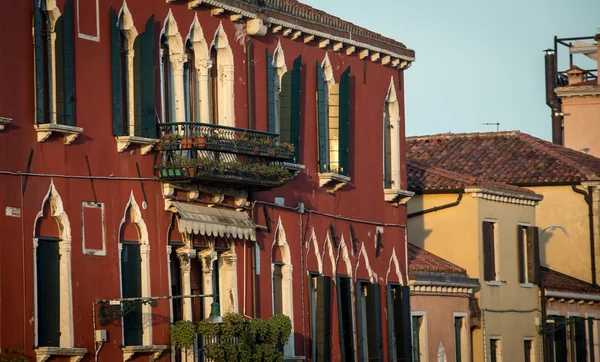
[209, 221]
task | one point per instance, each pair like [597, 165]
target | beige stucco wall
[582, 124]
[509, 309]
[439, 318]
[455, 234]
[566, 254]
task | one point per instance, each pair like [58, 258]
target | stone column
[52, 73]
[130, 91]
[287, 305]
[185, 256]
[228, 280]
[203, 68]
[207, 257]
[66, 307]
[178, 87]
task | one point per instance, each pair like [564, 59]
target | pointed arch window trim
[224, 84]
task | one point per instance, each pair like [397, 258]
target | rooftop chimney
[552, 99]
[575, 75]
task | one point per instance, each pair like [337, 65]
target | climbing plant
[183, 334]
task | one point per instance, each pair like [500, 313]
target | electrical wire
[88, 177]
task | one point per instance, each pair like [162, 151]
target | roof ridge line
[442, 172]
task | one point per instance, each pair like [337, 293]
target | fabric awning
[210, 221]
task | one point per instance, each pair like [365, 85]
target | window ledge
[494, 283]
[155, 350]
[293, 358]
[45, 130]
[43, 353]
[123, 142]
[4, 121]
[335, 180]
[402, 196]
[527, 285]
[295, 168]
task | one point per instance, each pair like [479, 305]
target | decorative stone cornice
[578, 91]
[505, 197]
[437, 289]
[335, 180]
[154, 350]
[401, 196]
[123, 142]
[42, 354]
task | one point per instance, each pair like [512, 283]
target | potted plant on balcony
[170, 142]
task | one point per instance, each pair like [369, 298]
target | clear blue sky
[477, 60]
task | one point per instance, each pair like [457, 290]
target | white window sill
[293, 167]
[43, 353]
[333, 179]
[493, 283]
[293, 358]
[44, 131]
[4, 121]
[527, 285]
[154, 350]
[402, 196]
[123, 142]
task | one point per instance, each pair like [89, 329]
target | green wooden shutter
[115, 60]
[39, 63]
[323, 319]
[68, 65]
[271, 93]
[458, 338]
[341, 316]
[48, 293]
[137, 85]
[391, 314]
[322, 121]
[131, 279]
[533, 255]
[59, 67]
[591, 336]
[344, 147]
[147, 82]
[403, 304]
[296, 107]
[374, 322]
[416, 339]
[285, 108]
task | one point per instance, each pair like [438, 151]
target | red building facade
[252, 150]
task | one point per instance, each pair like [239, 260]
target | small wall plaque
[12, 211]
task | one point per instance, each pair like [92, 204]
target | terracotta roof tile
[506, 157]
[422, 177]
[559, 282]
[420, 260]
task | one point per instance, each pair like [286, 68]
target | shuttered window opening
[368, 307]
[176, 288]
[345, 317]
[196, 282]
[489, 251]
[418, 339]
[460, 338]
[131, 287]
[54, 66]
[528, 249]
[167, 81]
[557, 341]
[333, 121]
[213, 84]
[191, 95]
[320, 309]
[277, 289]
[578, 340]
[399, 320]
[283, 101]
[48, 293]
[495, 350]
[528, 350]
[141, 100]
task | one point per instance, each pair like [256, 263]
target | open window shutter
[521, 251]
[323, 319]
[533, 255]
[59, 68]
[285, 108]
[404, 304]
[375, 341]
[147, 83]
[115, 60]
[344, 147]
[131, 277]
[39, 63]
[488, 252]
[48, 296]
[391, 313]
[295, 107]
[343, 336]
[68, 68]
[322, 121]
[271, 93]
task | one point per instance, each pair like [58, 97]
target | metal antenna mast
[497, 124]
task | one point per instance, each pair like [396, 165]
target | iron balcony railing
[221, 155]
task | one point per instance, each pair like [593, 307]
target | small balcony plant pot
[187, 143]
[171, 172]
[201, 142]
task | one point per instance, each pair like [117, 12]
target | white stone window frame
[528, 283]
[287, 289]
[423, 345]
[44, 130]
[498, 281]
[177, 57]
[278, 63]
[532, 340]
[66, 341]
[127, 27]
[464, 334]
[91, 251]
[203, 64]
[227, 269]
[225, 75]
[135, 216]
[498, 348]
[391, 119]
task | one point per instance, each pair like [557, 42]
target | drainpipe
[438, 208]
[589, 200]
[545, 349]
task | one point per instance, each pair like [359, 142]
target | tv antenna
[497, 124]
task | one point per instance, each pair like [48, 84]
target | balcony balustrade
[212, 154]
